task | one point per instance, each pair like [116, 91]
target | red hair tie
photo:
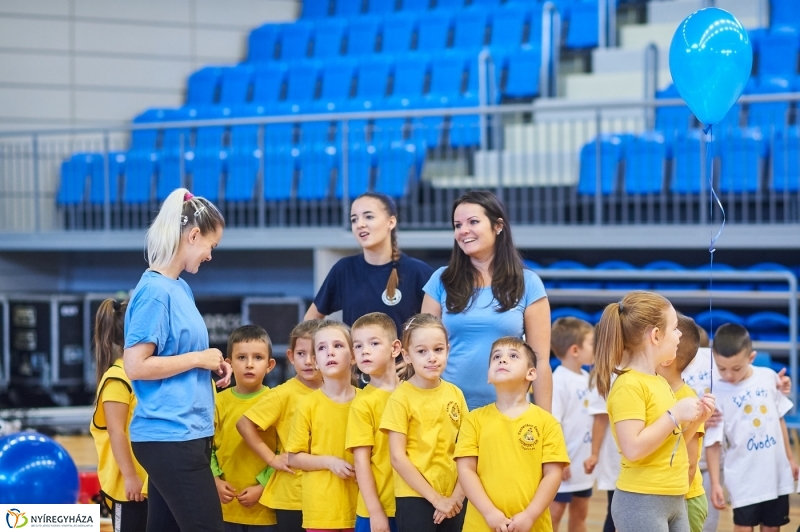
[188, 196]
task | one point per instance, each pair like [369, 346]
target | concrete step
[614, 60]
[638, 36]
[617, 85]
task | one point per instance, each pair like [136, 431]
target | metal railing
[303, 170]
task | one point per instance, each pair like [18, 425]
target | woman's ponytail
[109, 336]
[391, 211]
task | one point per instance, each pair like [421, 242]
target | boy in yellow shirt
[274, 411]
[510, 454]
[375, 345]
[696, 500]
[234, 464]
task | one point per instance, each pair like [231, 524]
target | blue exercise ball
[34, 469]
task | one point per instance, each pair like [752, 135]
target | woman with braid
[381, 279]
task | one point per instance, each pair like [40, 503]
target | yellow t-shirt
[115, 386]
[430, 419]
[318, 428]
[510, 456]
[696, 487]
[363, 431]
[635, 395]
[239, 464]
[275, 408]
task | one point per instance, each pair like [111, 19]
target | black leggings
[608, 526]
[415, 514]
[181, 494]
[129, 516]
[289, 520]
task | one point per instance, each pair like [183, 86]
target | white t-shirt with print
[609, 461]
[698, 375]
[756, 467]
[571, 409]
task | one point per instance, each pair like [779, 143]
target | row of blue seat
[784, 13]
[468, 29]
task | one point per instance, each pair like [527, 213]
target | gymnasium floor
[82, 450]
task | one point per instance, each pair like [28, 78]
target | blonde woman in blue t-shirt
[169, 363]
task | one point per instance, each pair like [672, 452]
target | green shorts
[698, 511]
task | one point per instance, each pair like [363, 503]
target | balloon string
[712, 197]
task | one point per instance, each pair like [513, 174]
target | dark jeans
[181, 493]
[415, 514]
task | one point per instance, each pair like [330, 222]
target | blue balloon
[710, 59]
[36, 470]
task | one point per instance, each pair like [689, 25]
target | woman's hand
[133, 488]
[225, 371]
[210, 359]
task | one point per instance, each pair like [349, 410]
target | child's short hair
[519, 345]
[418, 321]
[730, 340]
[303, 329]
[689, 344]
[333, 324]
[249, 333]
[704, 341]
[566, 332]
[380, 320]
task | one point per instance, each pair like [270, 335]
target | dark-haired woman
[381, 279]
[485, 293]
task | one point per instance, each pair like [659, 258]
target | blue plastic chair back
[762, 359]
[449, 4]
[415, 5]
[347, 8]
[778, 54]
[725, 284]
[770, 267]
[570, 312]
[433, 31]
[573, 265]
[784, 13]
[768, 326]
[610, 156]
[301, 81]
[279, 174]
[741, 155]
[508, 26]
[645, 164]
[398, 31]
[72, 186]
[668, 265]
[362, 35]
[687, 171]
[316, 166]
[328, 37]
[97, 186]
[620, 265]
[314, 9]
[294, 40]
[583, 25]
[672, 120]
[409, 75]
[373, 77]
[711, 319]
[486, 3]
[203, 85]
[470, 28]
[381, 7]
[360, 162]
[786, 160]
[447, 73]
[235, 84]
[770, 117]
[262, 43]
[268, 82]
[523, 72]
[337, 79]
[399, 165]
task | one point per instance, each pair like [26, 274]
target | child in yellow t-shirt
[316, 442]
[671, 370]
[234, 464]
[274, 411]
[375, 345]
[122, 479]
[648, 423]
[510, 454]
[422, 419]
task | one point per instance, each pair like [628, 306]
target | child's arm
[249, 432]
[545, 493]
[599, 426]
[250, 495]
[712, 460]
[411, 475]
[472, 486]
[362, 457]
[310, 462]
[693, 450]
[788, 447]
[116, 422]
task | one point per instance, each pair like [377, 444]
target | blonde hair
[518, 344]
[304, 329]
[379, 320]
[345, 330]
[622, 328]
[566, 332]
[181, 211]
[416, 322]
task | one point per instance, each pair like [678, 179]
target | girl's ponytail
[623, 327]
[109, 335]
[180, 211]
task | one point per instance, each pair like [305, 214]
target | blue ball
[34, 469]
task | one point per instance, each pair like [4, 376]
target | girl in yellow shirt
[633, 338]
[316, 442]
[121, 477]
[422, 419]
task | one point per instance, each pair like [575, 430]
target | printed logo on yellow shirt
[454, 411]
[528, 436]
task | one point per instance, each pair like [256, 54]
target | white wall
[86, 62]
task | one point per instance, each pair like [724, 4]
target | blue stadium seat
[262, 42]
[672, 120]
[235, 84]
[535, 24]
[409, 75]
[415, 5]
[577, 283]
[360, 162]
[399, 165]
[610, 156]
[645, 164]
[209, 155]
[770, 117]
[280, 165]
[295, 37]
[570, 312]
[583, 25]
[670, 266]
[74, 178]
[784, 13]
[621, 265]
[244, 156]
[522, 79]
[770, 267]
[301, 81]
[398, 31]
[724, 284]
[203, 85]
[329, 36]
[762, 359]
[97, 186]
[268, 82]
[362, 35]
[381, 7]
[142, 159]
[446, 75]
[778, 55]
[373, 79]
[347, 8]
[175, 146]
[729, 123]
[469, 26]
[742, 155]
[786, 160]
[768, 326]
[317, 163]
[337, 80]
[314, 9]
[508, 25]
[433, 31]
[711, 319]
[486, 3]
[449, 4]
[687, 171]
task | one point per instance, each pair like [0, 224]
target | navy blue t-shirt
[356, 288]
